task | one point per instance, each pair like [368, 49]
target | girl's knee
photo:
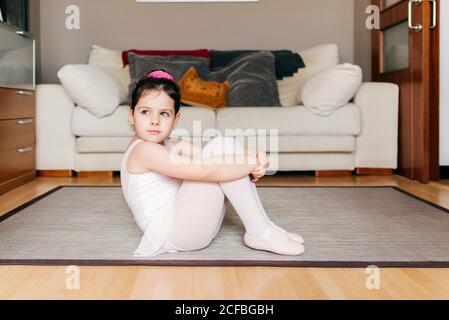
[191, 243]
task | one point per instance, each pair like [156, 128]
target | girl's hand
[261, 168]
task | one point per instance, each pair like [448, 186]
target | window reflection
[396, 47]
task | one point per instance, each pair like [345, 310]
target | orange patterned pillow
[202, 93]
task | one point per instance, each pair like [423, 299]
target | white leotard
[150, 197]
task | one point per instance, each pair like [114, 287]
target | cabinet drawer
[16, 104]
[17, 162]
[17, 133]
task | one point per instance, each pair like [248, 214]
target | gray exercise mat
[342, 227]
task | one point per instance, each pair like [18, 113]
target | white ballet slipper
[296, 237]
[293, 236]
[273, 242]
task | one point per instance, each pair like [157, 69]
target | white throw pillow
[331, 89]
[112, 62]
[91, 87]
[316, 59]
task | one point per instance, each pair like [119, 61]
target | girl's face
[154, 116]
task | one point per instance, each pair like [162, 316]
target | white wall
[444, 83]
[125, 24]
[362, 39]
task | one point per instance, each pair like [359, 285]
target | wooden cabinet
[17, 138]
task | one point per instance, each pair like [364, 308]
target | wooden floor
[33, 282]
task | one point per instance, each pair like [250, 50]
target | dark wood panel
[420, 46]
[55, 173]
[435, 100]
[17, 133]
[15, 163]
[394, 15]
[16, 182]
[17, 104]
[373, 171]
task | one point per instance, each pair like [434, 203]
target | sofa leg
[373, 171]
[333, 173]
[55, 173]
[95, 174]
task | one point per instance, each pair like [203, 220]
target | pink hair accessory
[159, 74]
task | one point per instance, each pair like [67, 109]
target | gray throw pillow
[176, 65]
[252, 80]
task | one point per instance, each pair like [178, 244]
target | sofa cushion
[292, 121]
[177, 66]
[104, 144]
[331, 89]
[286, 62]
[85, 124]
[316, 144]
[111, 61]
[92, 87]
[252, 80]
[293, 144]
[316, 59]
[194, 53]
[285, 144]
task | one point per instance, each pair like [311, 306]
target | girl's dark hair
[171, 88]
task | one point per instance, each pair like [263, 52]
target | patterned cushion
[198, 92]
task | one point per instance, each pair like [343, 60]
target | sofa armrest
[377, 144]
[55, 143]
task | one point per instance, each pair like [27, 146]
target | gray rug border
[224, 263]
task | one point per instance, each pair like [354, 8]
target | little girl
[178, 191]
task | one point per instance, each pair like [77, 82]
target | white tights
[199, 207]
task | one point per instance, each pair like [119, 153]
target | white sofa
[362, 134]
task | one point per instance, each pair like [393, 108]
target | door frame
[435, 99]
[429, 140]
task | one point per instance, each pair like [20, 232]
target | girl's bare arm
[190, 150]
[212, 169]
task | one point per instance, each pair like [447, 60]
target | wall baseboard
[444, 172]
